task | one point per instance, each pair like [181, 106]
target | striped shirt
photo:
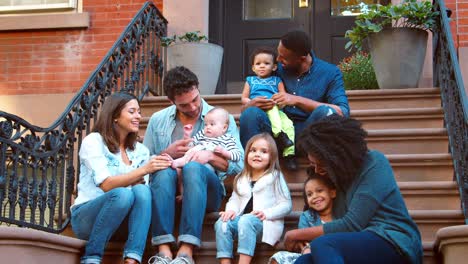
[225, 141]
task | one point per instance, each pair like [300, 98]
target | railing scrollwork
[448, 77]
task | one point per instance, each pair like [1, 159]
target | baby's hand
[221, 151]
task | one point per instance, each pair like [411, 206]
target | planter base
[398, 56]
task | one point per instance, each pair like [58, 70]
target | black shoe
[290, 163]
[283, 141]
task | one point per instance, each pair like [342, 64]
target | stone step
[207, 253]
[404, 141]
[400, 118]
[408, 141]
[359, 99]
[378, 118]
[406, 167]
[417, 195]
[428, 221]
[23, 246]
[439, 195]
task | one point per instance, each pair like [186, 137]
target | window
[42, 14]
[352, 7]
[30, 5]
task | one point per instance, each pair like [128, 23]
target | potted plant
[358, 72]
[190, 50]
[397, 39]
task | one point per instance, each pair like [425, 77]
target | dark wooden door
[254, 23]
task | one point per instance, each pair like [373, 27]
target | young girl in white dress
[258, 204]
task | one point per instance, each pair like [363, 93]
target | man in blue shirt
[314, 89]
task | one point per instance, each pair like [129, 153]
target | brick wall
[60, 61]
[460, 10]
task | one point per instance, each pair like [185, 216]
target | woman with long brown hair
[112, 189]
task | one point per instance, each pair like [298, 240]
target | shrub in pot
[397, 38]
[358, 72]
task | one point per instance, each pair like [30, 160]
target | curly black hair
[179, 80]
[262, 50]
[339, 144]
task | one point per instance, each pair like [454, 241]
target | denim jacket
[162, 123]
[309, 219]
[97, 163]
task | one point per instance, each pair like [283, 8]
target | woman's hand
[227, 215]
[259, 214]
[158, 162]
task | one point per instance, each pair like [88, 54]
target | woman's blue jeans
[202, 192]
[98, 219]
[254, 121]
[247, 228]
[354, 247]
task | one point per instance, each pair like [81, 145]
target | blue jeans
[248, 228]
[98, 219]
[202, 192]
[356, 247]
[254, 121]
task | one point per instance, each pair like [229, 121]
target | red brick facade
[60, 61]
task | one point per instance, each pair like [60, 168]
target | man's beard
[293, 69]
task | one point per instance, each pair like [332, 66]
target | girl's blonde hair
[273, 167]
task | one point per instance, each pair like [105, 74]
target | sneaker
[159, 259]
[183, 259]
[290, 163]
[283, 141]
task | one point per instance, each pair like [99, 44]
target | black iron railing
[38, 166]
[447, 76]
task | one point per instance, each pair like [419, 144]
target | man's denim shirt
[322, 83]
[162, 123]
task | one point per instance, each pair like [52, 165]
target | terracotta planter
[204, 59]
[398, 56]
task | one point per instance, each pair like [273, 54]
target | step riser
[417, 172]
[390, 103]
[232, 103]
[371, 123]
[409, 145]
[427, 227]
[401, 121]
[415, 200]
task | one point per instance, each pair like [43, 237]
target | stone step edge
[208, 248]
[398, 93]
[423, 215]
[405, 159]
[404, 186]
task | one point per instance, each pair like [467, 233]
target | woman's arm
[306, 234]
[375, 183]
[155, 163]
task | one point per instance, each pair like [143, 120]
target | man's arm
[306, 104]
[336, 97]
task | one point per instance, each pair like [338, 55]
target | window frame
[71, 5]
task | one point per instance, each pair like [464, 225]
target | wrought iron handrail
[447, 76]
[39, 166]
